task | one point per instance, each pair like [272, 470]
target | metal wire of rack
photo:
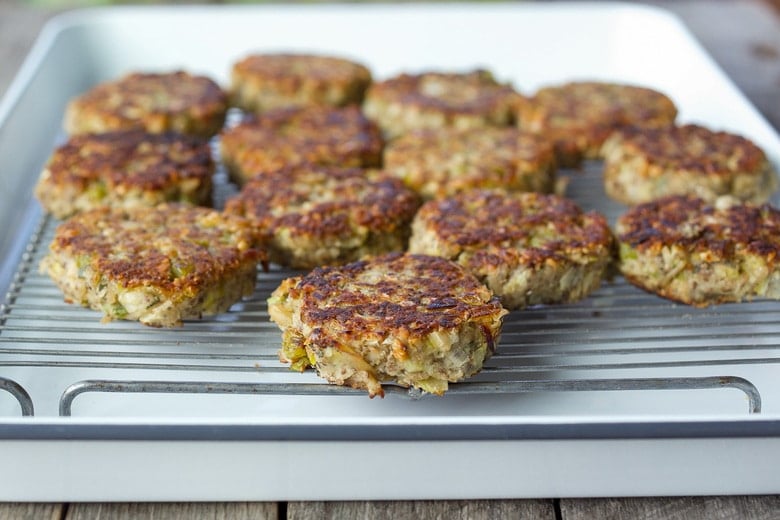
[618, 339]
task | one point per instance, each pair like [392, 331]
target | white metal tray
[621, 394]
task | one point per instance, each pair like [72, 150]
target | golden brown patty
[263, 82]
[579, 116]
[438, 99]
[126, 168]
[289, 137]
[156, 103]
[528, 248]
[645, 164]
[322, 215]
[156, 265]
[686, 249]
[419, 321]
[439, 163]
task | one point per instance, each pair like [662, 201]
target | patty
[156, 265]
[262, 82]
[289, 137]
[125, 168]
[689, 250]
[579, 116]
[324, 215]
[528, 248]
[440, 99]
[419, 321]
[155, 102]
[443, 162]
[641, 165]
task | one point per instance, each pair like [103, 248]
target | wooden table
[744, 38]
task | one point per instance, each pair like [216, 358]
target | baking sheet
[607, 42]
[530, 45]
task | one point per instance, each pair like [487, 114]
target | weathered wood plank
[680, 508]
[21, 511]
[422, 510]
[19, 27]
[174, 511]
[744, 39]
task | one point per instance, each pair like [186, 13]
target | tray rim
[385, 430]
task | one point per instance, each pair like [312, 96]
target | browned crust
[296, 68]
[176, 249]
[516, 228]
[442, 162]
[475, 92]
[129, 159]
[266, 81]
[440, 99]
[528, 248]
[324, 201]
[690, 223]
[289, 137]
[579, 116]
[155, 102]
[692, 148]
[645, 164]
[414, 296]
[689, 250]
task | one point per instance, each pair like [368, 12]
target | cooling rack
[619, 340]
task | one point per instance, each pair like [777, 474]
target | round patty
[126, 168]
[440, 163]
[155, 265]
[439, 99]
[154, 102]
[528, 248]
[641, 165]
[579, 116]
[289, 137]
[416, 320]
[686, 249]
[262, 82]
[324, 215]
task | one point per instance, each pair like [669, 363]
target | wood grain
[20, 511]
[681, 508]
[19, 27]
[423, 510]
[744, 39]
[175, 511]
